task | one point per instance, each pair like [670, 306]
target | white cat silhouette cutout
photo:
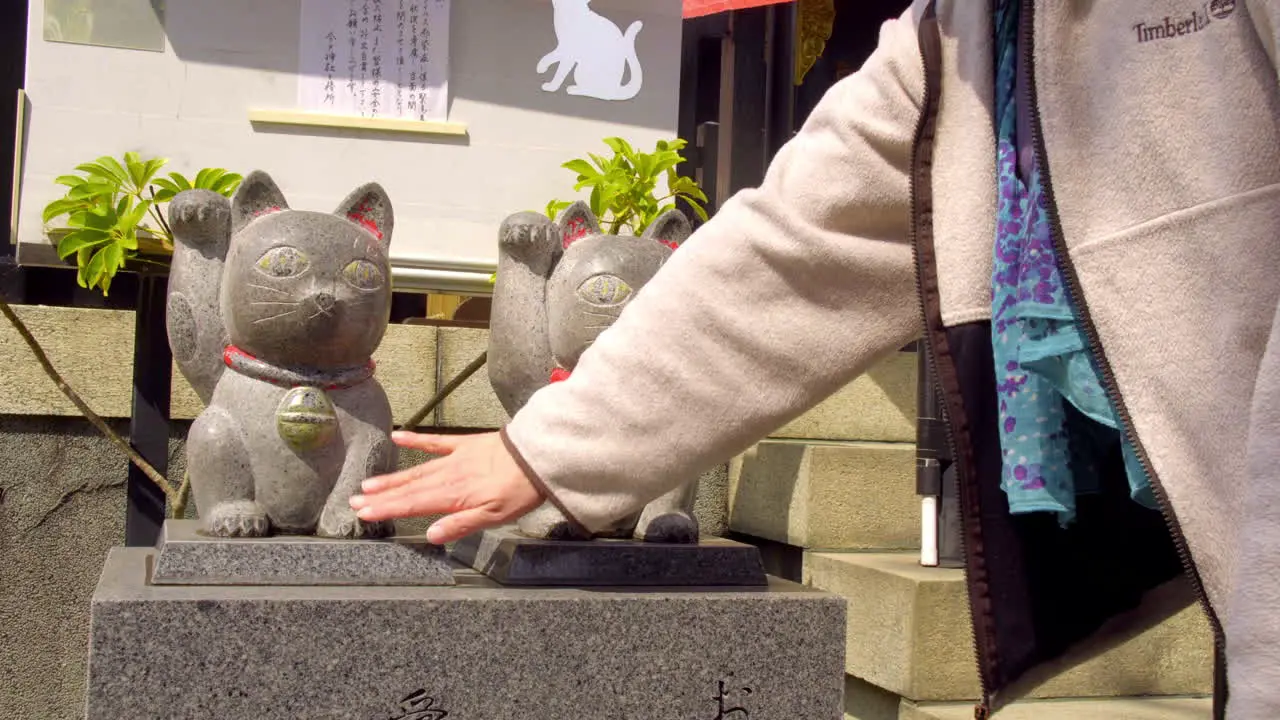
[596, 51]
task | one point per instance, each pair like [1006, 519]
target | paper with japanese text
[375, 58]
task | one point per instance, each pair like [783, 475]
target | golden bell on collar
[306, 419]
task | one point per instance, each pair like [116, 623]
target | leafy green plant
[624, 187]
[107, 209]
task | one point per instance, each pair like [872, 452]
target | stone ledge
[910, 633]
[1135, 708]
[864, 701]
[827, 495]
[473, 404]
[93, 349]
[878, 406]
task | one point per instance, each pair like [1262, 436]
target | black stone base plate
[189, 557]
[508, 557]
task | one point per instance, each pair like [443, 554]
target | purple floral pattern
[1042, 362]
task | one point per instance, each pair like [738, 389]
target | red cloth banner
[698, 8]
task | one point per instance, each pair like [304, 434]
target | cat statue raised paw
[273, 317]
[595, 51]
[559, 285]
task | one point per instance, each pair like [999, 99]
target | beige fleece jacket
[1160, 121]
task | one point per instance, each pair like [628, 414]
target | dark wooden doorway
[739, 100]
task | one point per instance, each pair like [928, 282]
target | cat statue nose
[324, 301]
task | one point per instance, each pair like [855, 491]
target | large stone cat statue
[559, 285]
[273, 317]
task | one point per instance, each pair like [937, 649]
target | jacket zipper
[925, 126]
[1071, 284]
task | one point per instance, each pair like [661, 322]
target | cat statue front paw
[525, 234]
[238, 518]
[201, 217]
[673, 527]
[547, 523]
[343, 524]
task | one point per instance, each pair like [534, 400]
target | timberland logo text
[1170, 27]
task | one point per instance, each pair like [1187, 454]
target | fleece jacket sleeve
[788, 293]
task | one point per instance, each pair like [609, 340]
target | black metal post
[950, 529]
[700, 91]
[708, 142]
[149, 422]
[745, 131]
[935, 471]
[780, 92]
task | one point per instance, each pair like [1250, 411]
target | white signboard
[375, 58]
[490, 140]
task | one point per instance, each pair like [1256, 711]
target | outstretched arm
[787, 294]
[790, 292]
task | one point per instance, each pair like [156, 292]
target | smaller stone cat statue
[559, 285]
[596, 51]
[273, 316]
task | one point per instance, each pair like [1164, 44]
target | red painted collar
[248, 365]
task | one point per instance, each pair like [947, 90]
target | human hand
[476, 483]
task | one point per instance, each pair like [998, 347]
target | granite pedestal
[473, 651]
[188, 556]
[510, 558]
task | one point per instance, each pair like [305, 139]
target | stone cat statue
[559, 285]
[273, 316]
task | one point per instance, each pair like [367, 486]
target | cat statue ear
[576, 222]
[257, 195]
[369, 206]
[671, 228]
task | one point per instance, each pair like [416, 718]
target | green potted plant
[624, 188]
[112, 214]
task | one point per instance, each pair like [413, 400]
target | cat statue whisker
[560, 284]
[294, 419]
[266, 289]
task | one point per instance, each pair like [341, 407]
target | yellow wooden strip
[19, 144]
[296, 117]
[441, 306]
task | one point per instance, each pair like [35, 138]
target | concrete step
[1135, 708]
[827, 495]
[91, 348]
[878, 406]
[909, 633]
[863, 701]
